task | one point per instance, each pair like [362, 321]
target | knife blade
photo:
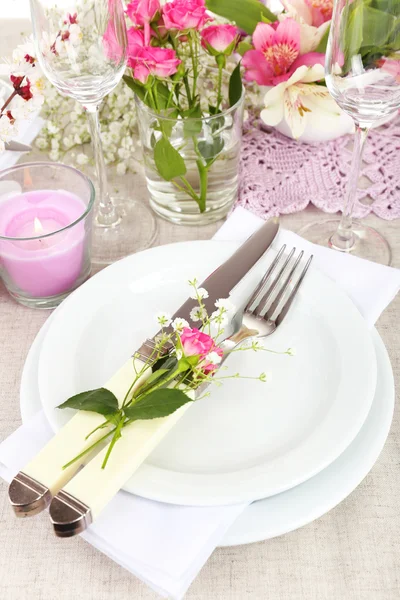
[33, 487]
[14, 146]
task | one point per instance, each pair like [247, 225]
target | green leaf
[136, 87]
[365, 27]
[235, 86]
[192, 124]
[101, 401]
[156, 375]
[244, 47]
[245, 13]
[210, 151]
[159, 403]
[169, 162]
[323, 42]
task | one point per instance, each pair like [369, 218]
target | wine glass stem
[344, 238]
[107, 215]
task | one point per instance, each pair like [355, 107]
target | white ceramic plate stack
[295, 446]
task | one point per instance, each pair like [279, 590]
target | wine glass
[362, 72]
[82, 48]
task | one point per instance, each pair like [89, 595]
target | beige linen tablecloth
[352, 553]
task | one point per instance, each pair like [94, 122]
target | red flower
[65, 35]
[29, 59]
[73, 19]
[16, 81]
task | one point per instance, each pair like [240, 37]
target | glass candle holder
[45, 232]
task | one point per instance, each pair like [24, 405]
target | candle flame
[37, 225]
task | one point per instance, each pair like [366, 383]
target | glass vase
[191, 164]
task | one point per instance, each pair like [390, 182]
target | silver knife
[14, 146]
[33, 487]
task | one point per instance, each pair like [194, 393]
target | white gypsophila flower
[163, 319]
[199, 293]
[67, 142]
[196, 314]
[220, 318]
[54, 155]
[179, 324]
[41, 143]
[55, 144]
[225, 304]
[52, 127]
[121, 168]
[82, 159]
[213, 358]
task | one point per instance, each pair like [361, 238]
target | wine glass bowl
[82, 49]
[362, 73]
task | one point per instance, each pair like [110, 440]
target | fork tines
[279, 286]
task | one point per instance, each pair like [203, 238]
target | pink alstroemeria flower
[313, 21]
[142, 13]
[277, 54]
[145, 61]
[219, 39]
[321, 11]
[196, 343]
[185, 14]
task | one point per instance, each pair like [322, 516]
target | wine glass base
[135, 230]
[368, 242]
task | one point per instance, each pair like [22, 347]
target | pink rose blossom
[277, 53]
[197, 343]
[142, 13]
[219, 39]
[145, 61]
[135, 41]
[185, 14]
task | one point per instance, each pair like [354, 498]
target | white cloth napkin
[167, 545]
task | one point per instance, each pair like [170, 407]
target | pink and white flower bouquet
[285, 56]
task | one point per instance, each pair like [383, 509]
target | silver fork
[258, 318]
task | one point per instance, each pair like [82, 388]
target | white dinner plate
[248, 440]
[304, 503]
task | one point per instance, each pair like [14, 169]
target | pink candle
[43, 266]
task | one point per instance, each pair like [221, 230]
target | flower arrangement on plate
[181, 375]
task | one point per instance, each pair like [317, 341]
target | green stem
[116, 436]
[88, 449]
[97, 428]
[194, 65]
[185, 77]
[203, 173]
[219, 92]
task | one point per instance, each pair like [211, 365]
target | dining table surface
[350, 553]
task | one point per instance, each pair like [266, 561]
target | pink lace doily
[281, 176]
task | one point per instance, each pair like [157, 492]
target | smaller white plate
[303, 504]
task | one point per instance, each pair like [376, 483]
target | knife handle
[32, 488]
[80, 502]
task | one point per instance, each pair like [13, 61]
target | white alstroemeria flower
[213, 358]
[296, 99]
[310, 34]
[196, 314]
[225, 304]
[163, 319]
[179, 324]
